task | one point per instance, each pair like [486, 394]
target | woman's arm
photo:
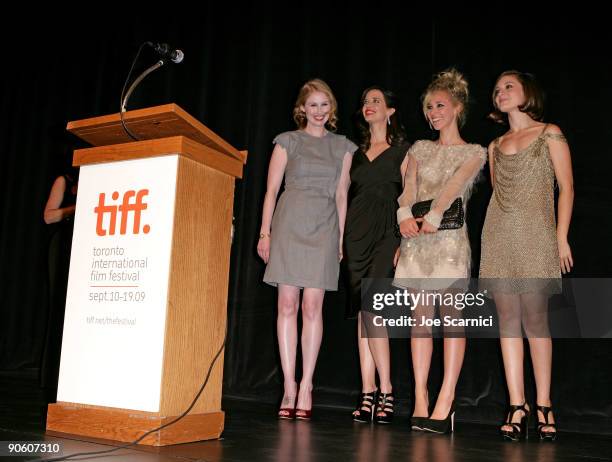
[562, 164]
[407, 223]
[491, 163]
[342, 196]
[276, 171]
[403, 171]
[404, 168]
[454, 187]
[53, 212]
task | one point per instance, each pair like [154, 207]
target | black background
[240, 77]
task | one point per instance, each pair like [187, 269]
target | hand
[68, 211]
[427, 227]
[409, 228]
[565, 256]
[396, 257]
[263, 248]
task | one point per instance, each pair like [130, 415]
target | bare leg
[380, 351]
[286, 330]
[379, 348]
[454, 352]
[535, 322]
[312, 333]
[511, 340]
[376, 354]
[366, 360]
[421, 346]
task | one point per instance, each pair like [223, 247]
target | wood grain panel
[125, 425]
[164, 146]
[150, 123]
[197, 300]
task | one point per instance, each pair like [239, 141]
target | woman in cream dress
[441, 170]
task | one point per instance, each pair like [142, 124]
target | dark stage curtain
[241, 73]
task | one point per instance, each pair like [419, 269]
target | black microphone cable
[121, 102]
[162, 49]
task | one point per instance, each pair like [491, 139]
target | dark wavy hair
[534, 97]
[396, 134]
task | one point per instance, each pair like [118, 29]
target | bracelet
[262, 235]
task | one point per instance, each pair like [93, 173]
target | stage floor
[252, 432]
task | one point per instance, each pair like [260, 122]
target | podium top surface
[150, 123]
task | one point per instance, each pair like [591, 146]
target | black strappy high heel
[365, 409]
[385, 405]
[545, 435]
[519, 429]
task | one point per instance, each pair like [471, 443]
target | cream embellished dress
[519, 252]
[442, 173]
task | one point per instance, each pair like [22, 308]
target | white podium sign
[112, 347]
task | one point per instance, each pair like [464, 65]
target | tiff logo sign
[125, 209]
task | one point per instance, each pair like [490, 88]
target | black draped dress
[370, 239]
[60, 245]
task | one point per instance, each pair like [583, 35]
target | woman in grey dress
[301, 241]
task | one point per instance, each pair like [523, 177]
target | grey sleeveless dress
[304, 237]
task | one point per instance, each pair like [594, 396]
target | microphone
[164, 50]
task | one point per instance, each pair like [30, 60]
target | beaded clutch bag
[453, 217]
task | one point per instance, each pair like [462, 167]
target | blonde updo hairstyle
[452, 82]
[312, 86]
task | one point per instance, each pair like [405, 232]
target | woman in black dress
[370, 240]
[58, 214]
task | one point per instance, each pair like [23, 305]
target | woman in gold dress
[524, 251]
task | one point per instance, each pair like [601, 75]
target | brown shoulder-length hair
[299, 116]
[534, 97]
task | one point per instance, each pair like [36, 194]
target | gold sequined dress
[442, 173]
[519, 240]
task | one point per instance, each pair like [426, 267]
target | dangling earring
[430, 125]
[388, 120]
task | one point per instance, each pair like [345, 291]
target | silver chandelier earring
[388, 120]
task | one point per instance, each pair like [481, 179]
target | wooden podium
[173, 339]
